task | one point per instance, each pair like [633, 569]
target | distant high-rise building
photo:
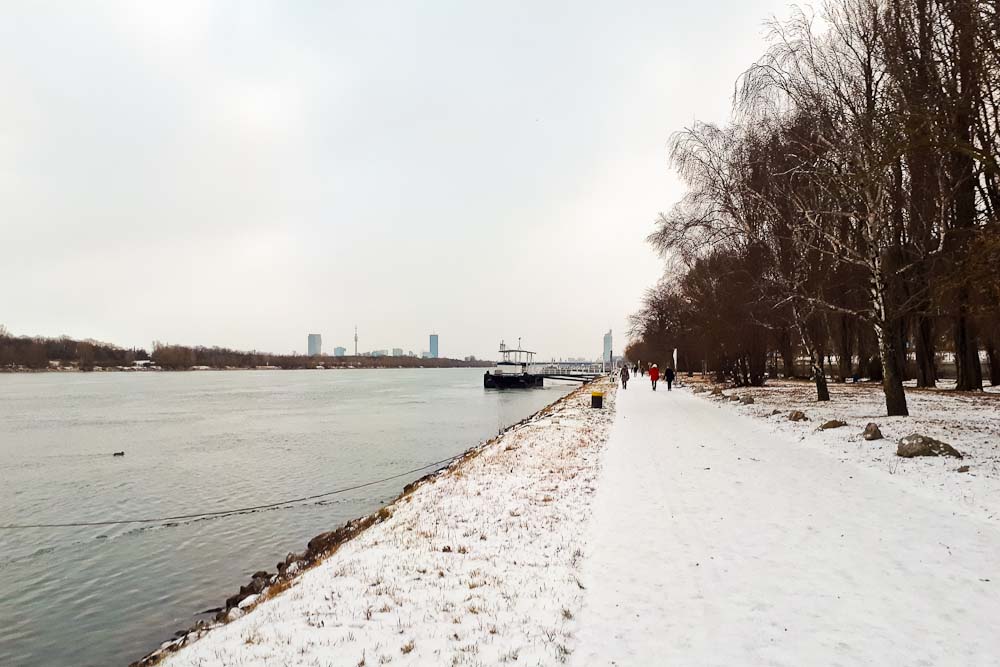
[434, 346]
[315, 345]
[397, 351]
[339, 351]
[607, 347]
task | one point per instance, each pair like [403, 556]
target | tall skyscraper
[607, 347]
[315, 345]
[434, 346]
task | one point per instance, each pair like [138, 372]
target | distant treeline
[179, 357]
[34, 353]
[37, 353]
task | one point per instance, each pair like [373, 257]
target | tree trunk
[864, 358]
[899, 332]
[967, 365]
[892, 381]
[924, 348]
[787, 351]
[720, 373]
[994, 356]
[815, 353]
[845, 341]
[788, 362]
[963, 175]
[875, 369]
[819, 375]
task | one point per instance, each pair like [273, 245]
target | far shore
[443, 363]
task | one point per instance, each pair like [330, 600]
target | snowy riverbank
[668, 528]
[478, 564]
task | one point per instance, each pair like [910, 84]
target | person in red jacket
[654, 375]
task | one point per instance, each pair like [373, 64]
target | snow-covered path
[716, 542]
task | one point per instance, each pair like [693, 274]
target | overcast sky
[244, 173]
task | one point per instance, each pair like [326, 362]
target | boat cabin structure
[515, 370]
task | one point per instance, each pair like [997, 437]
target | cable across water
[239, 510]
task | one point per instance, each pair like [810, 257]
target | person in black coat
[625, 376]
[668, 375]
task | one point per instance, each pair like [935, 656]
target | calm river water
[196, 442]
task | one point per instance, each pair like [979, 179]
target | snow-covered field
[478, 566]
[969, 422]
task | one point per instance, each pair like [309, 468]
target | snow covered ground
[478, 567]
[668, 529]
[969, 422]
[721, 539]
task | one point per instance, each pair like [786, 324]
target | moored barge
[515, 370]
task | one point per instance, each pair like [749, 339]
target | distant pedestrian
[625, 376]
[668, 374]
[654, 375]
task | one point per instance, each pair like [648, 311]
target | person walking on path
[625, 376]
[654, 375]
[668, 375]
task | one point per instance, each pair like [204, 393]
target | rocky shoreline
[264, 585]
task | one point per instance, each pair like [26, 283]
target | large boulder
[797, 416]
[872, 432]
[916, 444]
[833, 423]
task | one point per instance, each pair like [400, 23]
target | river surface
[197, 442]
